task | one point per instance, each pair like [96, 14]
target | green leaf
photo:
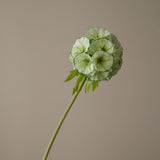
[94, 85]
[76, 87]
[72, 74]
[87, 87]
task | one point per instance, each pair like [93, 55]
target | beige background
[119, 121]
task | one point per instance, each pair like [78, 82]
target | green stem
[62, 120]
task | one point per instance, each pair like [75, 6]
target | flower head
[97, 55]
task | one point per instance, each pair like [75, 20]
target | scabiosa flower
[97, 55]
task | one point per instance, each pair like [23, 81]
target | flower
[83, 64]
[97, 55]
[102, 61]
[94, 33]
[81, 46]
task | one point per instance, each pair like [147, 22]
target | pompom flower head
[97, 56]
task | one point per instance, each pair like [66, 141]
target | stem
[62, 120]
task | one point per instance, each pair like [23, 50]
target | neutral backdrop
[119, 121]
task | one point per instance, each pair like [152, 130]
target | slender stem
[62, 120]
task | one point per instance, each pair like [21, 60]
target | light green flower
[102, 61]
[98, 76]
[81, 45]
[95, 33]
[101, 44]
[83, 64]
[97, 56]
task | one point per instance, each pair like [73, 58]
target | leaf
[76, 87]
[87, 87]
[72, 74]
[94, 85]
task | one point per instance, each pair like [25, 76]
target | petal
[81, 45]
[96, 45]
[115, 41]
[98, 76]
[101, 45]
[103, 33]
[102, 61]
[108, 46]
[111, 50]
[94, 33]
[83, 63]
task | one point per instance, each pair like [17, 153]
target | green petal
[81, 45]
[102, 61]
[96, 45]
[98, 76]
[101, 45]
[82, 63]
[111, 50]
[115, 41]
[94, 33]
[109, 47]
